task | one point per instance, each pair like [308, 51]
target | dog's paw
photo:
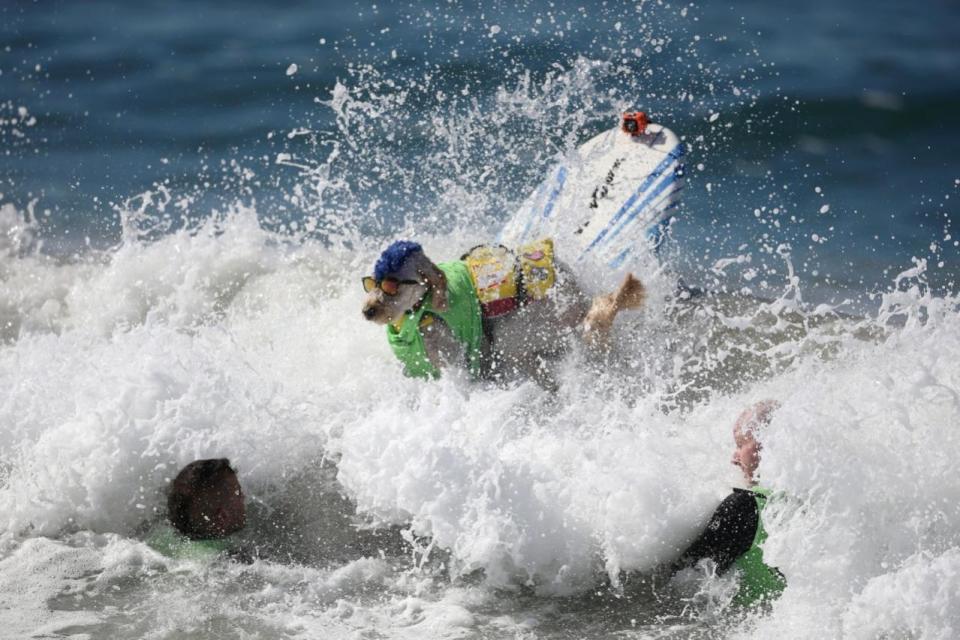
[631, 294]
[600, 317]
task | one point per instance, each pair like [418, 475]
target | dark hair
[193, 480]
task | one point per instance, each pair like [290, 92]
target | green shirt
[462, 316]
[758, 581]
[166, 540]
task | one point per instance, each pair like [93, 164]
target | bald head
[750, 422]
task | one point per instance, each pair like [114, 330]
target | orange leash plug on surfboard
[635, 123]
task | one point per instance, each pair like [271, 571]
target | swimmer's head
[205, 500]
[746, 455]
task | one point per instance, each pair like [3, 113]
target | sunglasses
[389, 286]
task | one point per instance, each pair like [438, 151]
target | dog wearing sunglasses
[501, 315]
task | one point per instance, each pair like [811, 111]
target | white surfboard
[610, 200]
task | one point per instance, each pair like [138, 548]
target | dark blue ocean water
[837, 131]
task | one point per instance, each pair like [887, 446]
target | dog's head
[402, 278]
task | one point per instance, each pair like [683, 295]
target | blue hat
[393, 257]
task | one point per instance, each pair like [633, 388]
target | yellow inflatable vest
[537, 268]
[504, 280]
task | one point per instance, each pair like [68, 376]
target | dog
[500, 314]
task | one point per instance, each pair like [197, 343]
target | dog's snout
[369, 312]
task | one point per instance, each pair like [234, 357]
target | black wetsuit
[728, 535]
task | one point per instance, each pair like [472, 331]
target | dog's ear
[431, 274]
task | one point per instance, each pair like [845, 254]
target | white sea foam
[865, 449]
[230, 341]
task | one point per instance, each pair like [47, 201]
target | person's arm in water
[728, 534]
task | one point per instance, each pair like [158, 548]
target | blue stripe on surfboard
[561, 180]
[653, 176]
[656, 233]
[675, 177]
[616, 262]
[643, 206]
[551, 201]
[651, 197]
[654, 237]
[675, 154]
